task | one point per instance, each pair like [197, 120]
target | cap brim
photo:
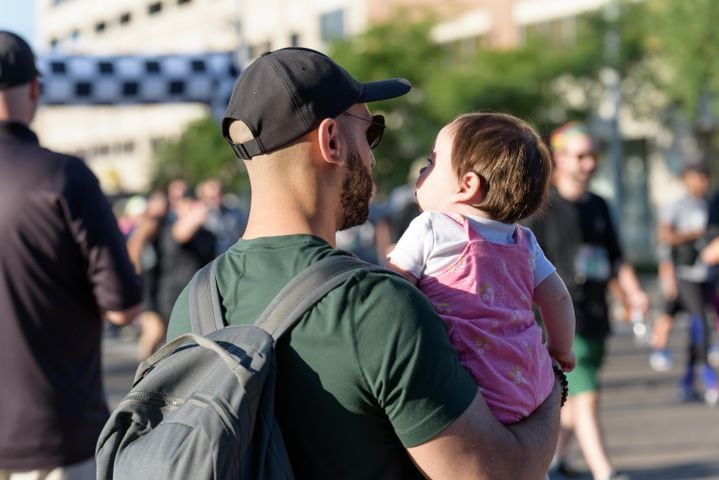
[384, 89]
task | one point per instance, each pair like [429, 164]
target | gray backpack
[202, 407]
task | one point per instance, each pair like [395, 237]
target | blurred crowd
[171, 233]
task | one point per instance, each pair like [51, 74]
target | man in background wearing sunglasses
[368, 384]
[577, 235]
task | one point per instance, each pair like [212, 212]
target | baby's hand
[567, 361]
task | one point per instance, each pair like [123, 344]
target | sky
[18, 16]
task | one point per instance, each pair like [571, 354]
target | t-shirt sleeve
[114, 282]
[405, 357]
[414, 246]
[542, 266]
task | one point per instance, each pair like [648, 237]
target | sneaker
[711, 397]
[687, 395]
[713, 356]
[661, 360]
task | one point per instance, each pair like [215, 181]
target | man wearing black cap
[63, 265]
[368, 383]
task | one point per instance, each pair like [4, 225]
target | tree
[397, 48]
[524, 81]
[688, 42]
[199, 153]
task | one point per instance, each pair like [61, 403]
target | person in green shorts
[369, 386]
[577, 236]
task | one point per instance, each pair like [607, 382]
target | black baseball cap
[17, 62]
[286, 93]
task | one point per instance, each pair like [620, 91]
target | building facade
[118, 141]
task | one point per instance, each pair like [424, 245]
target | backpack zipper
[155, 399]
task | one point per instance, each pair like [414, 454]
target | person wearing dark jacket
[63, 267]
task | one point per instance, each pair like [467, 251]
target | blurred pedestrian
[63, 266]
[224, 221]
[577, 235]
[682, 227]
[169, 244]
[184, 245]
[710, 254]
[143, 245]
[660, 358]
[481, 270]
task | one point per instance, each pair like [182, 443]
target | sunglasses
[374, 131]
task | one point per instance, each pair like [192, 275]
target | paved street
[649, 433]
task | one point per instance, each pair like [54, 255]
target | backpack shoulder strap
[204, 298]
[306, 289]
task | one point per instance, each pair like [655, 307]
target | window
[130, 89]
[58, 67]
[83, 89]
[464, 49]
[100, 27]
[295, 40]
[332, 25]
[154, 8]
[106, 68]
[152, 67]
[557, 33]
[198, 66]
[125, 18]
[177, 87]
[182, 2]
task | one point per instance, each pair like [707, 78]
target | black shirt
[579, 239]
[62, 262]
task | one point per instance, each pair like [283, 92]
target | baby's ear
[472, 189]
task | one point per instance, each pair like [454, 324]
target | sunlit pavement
[650, 434]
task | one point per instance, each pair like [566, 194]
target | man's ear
[329, 141]
[471, 189]
[35, 89]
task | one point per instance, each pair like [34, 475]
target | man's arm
[477, 446]
[629, 285]
[123, 317]
[669, 236]
[710, 253]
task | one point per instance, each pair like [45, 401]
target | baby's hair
[511, 159]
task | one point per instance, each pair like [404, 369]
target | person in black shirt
[63, 266]
[577, 236]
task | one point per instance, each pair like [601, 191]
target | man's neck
[273, 217]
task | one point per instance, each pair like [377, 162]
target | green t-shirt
[366, 373]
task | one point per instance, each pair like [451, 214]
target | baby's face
[437, 182]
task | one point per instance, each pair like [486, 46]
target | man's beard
[356, 191]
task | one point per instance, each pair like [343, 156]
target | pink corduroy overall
[485, 299]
